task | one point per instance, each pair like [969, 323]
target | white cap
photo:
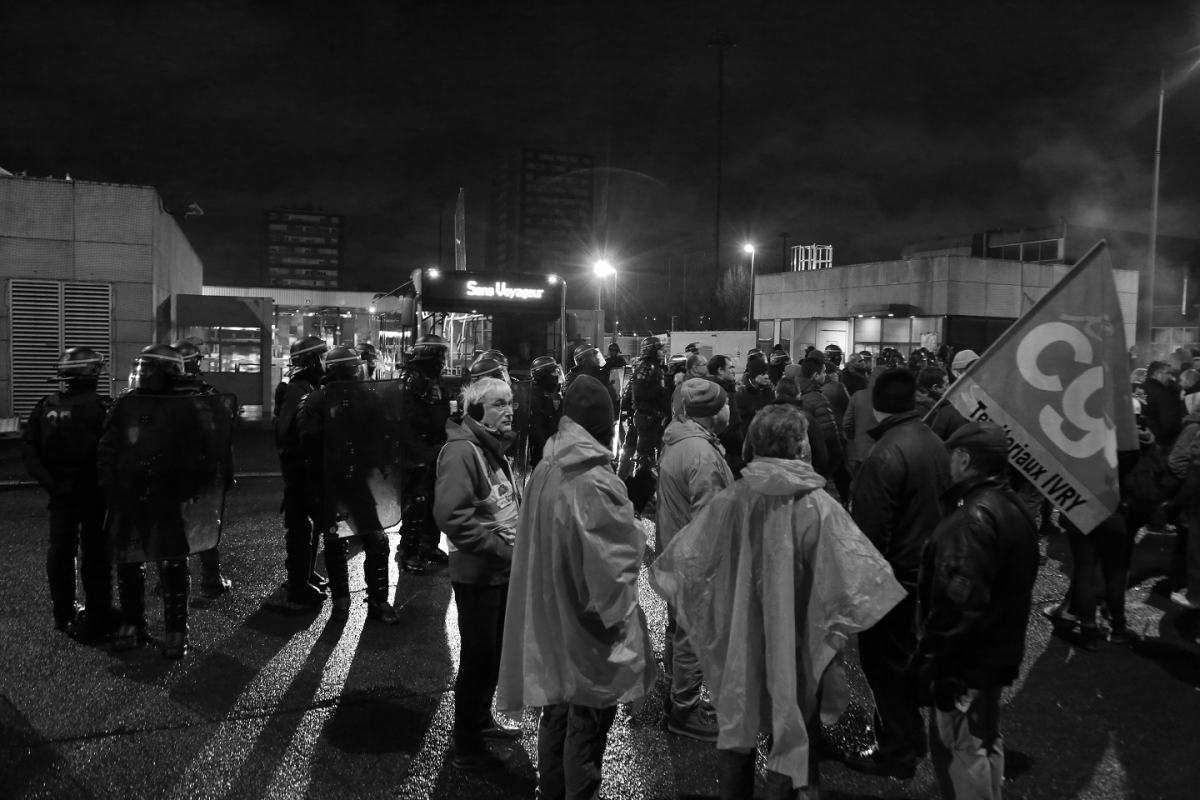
[964, 359]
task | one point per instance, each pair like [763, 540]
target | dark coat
[1163, 412]
[750, 400]
[820, 409]
[853, 380]
[897, 492]
[976, 585]
[945, 421]
[816, 441]
[732, 437]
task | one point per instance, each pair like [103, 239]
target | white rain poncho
[769, 581]
[573, 629]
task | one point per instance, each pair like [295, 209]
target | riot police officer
[212, 583]
[498, 357]
[147, 521]
[59, 448]
[369, 355]
[424, 411]
[545, 403]
[300, 529]
[487, 366]
[651, 397]
[344, 364]
[588, 362]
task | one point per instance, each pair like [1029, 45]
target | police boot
[299, 562]
[339, 576]
[175, 607]
[212, 584]
[60, 573]
[376, 571]
[131, 590]
[410, 549]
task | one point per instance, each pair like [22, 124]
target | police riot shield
[363, 456]
[172, 465]
[522, 394]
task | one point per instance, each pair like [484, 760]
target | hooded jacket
[691, 472]
[897, 493]
[770, 580]
[479, 555]
[1185, 452]
[976, 585]
[573, 629]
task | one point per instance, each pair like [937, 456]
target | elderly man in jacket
[976, 587]
[897, 504]
[770, 580]
[575, 642]
[692, 471]
[475, 504]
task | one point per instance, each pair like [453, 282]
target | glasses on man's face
[501, 404]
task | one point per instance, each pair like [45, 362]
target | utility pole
[722, 41]
[1151, 256]
[784, 265]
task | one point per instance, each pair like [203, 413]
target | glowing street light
[562, 313]
[602, 269]
[433, 272]
[749, 248]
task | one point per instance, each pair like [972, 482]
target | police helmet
[582, 351]
[780, 357]
[191, 352]
[494, 355]
[156, 368]
[430, 347]
[694, 347]
[486, 367]
[833, 353]
[613, 347]
[651, 345]
[307, 351]
[78, 362]
[755, 354]
[343, 364]
[543, 365]
[367, 352]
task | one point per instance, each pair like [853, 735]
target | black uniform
[424, 410]
[651, 396]
[59, 447]
[545, 410]
[300, 527]
[210, 560]
[311, 429]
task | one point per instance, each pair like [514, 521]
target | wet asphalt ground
[274, 701]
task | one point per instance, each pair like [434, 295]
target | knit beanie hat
[587, 403]
[895, 391]
[754, 369]
[703, 398]
[792, 372]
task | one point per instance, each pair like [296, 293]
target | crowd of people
[806, 503]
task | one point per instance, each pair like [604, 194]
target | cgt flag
[1050, 382]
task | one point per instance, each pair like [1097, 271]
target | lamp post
[749, 248]
[601, 269]
[562, 315]
[1151, 255]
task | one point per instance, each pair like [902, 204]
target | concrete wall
[96, 233]
[937, 286]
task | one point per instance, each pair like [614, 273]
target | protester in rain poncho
[575, 640]
[770, 580]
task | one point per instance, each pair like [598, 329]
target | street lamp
[749, 248]
[562, 314]
[601, 269]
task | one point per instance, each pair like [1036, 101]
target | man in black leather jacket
[896, 501]
[976, 588]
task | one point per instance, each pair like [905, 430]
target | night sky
[861, 125]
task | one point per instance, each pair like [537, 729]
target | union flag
[1055, 382]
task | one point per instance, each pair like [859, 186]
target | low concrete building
[963, 301]
[84, 264]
